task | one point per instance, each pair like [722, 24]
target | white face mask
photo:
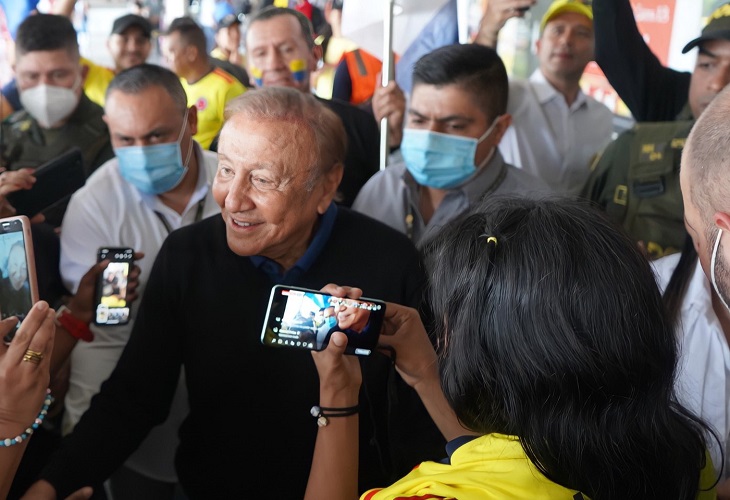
[712, 271]
[49, 104]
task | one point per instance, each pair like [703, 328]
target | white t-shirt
[703, 371]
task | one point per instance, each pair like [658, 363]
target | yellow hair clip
[492, 239]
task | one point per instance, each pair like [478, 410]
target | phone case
[112, 307]
[19, 290]
[301, 318]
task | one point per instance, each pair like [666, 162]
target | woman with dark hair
[555, 354]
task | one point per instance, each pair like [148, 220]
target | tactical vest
[26, 144]
[636, 181]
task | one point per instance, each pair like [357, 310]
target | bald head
[706, 160]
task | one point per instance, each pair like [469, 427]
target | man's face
[129, 48]
[273, 46]
[566, 46]
[229, 38]
[353, 317]
[17, 267]
[264, 167]
[711, 74]
[147, 118]
[175, 53]
[50, 67]
[450, 109]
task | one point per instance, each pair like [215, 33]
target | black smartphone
[18, 285]
[112, 307]
[305, 319]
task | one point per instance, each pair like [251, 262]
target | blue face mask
[439, 160]
[154, 169]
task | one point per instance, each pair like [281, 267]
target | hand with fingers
[417, 363]
[390, 102]
[80, 307]
[24, 377]
[496, 15]
[333, 474]
[339, 375]
[15, 180]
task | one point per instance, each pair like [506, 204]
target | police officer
[57, 115]
[636, 179]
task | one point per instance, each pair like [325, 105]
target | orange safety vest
[364, 69]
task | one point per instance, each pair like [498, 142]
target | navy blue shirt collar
[321, 237]
[454, 445]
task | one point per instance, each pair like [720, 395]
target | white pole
[386, 76]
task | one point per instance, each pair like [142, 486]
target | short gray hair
[137, 79]
[707, 159]
[303, 109]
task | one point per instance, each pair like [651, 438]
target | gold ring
[34, 357]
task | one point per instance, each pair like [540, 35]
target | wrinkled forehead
[275, 29]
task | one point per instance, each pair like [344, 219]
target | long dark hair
[554, 331]
[681, 276]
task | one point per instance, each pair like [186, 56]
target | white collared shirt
[110, 212]
[550, 139]
[703, 370]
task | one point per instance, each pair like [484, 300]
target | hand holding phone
[112, 304]
[18, 285]
[305, 319]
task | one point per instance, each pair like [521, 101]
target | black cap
[122, 23]
[228, 20]
[718, 28]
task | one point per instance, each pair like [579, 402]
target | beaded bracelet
[36, 423]
[323, 418]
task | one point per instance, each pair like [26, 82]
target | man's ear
[331, 181]
[191, 53]
[193, 119]
[722, 220]
[84, 73]
[317, 55]
[502, 125]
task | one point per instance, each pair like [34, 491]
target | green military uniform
[26, 144]
[636, 182]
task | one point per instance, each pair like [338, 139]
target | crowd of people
[557, 302]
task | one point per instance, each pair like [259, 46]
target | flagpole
[386, 77]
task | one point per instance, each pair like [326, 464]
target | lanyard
[198, 216]
[410, 216]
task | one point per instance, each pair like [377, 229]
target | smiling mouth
[244, 224]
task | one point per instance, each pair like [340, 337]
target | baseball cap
[224, 15]
[124, 22]
[717, 28]
[561, 7]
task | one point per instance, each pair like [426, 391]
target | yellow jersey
[209, 95]
[97, 80]
[491, 467]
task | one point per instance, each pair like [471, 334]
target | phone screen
[112, 307]
[305, 319]
[17, 283]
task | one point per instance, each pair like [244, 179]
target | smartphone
[18, 284]
[304, 319]
[112, 307]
